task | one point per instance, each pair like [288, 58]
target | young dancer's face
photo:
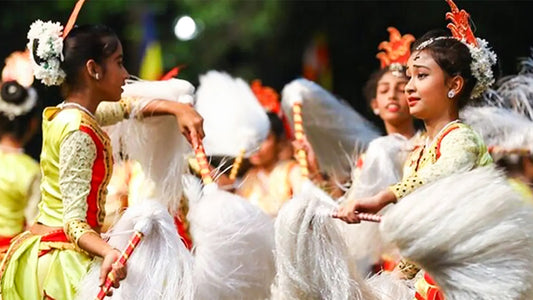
[391, 100]
[426, 90]
[114, 76]
[267, 153]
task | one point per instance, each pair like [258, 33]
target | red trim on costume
[99, 173]
[439, 140]
[5, 241]
[53, 236]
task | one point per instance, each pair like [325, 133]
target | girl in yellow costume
[20, 178]
[49, 259]
[444, 76]
[271, 182]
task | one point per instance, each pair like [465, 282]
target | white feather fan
[517, 91]
[159, 268]
[155, 142]
[233, 244]
[333, 128]
[311, 256]
[500, 127]
[471, 232]
[233, 118]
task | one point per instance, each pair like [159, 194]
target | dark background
[266, 39]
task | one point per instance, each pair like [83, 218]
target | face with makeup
[428, 87]
[390, 102]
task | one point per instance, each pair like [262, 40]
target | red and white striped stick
[236, 165]
[301, 156]
[132, 244]
[201, 158]
[369, 217]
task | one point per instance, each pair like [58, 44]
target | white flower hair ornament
[13, 110]
[46, 42]
[483, 58]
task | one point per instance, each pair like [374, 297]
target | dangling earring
[376, 111]
[451, 94]
[97, 76]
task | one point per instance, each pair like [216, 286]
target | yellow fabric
[460, 150]
[18, 172]
[57, 273]
[270, 191]
[57, 125]
[523, 189]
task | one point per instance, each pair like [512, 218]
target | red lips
[412, 101]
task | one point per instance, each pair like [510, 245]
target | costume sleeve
[458, 152]
[76, 158]
[109, 113]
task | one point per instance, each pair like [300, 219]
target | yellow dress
[456, 148]
[76, 164]
[270, 191]
[18, 182]
[522, 188]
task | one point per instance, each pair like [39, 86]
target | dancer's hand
[349, 209]
[312, 161]
[190, 123]
[111, 264]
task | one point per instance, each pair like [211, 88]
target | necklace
[440, 131]
[76, 105]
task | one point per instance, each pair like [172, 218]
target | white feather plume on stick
[500, 127]
[311, 256]
[517, 91]
[471, 232]
[155, 142]
[233, 244]
[382, 166]
[333, 128]
[312, 259]
[233, 118]
[159, 268]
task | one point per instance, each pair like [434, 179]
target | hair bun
[12, 92]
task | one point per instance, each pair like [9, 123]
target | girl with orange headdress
[445, 73]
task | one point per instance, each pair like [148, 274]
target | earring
[376, 111]
[451, 94]
[97, 76]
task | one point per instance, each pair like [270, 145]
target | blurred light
[185, 28]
